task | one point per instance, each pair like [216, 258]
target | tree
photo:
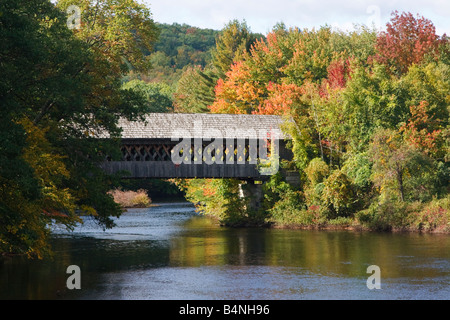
[231, 45]
[400, 166]
[195, 90]
[158, 96]
[338, 195]
[117, 29]
[116, 34]
[407, 40]
[59, 93]
[40, 65]
[371, 99]
[238, 93]
[357, 45]
[431, 83]
[421, 131]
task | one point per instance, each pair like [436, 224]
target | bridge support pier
[252, 192]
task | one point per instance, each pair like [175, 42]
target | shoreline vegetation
[426, 221]
[429, 217]
[290, 212]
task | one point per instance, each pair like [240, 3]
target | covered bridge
[180, 145]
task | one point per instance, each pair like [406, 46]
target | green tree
[195, 90]
[41, 63]
[338, 195]
[372, 99]
[59, 93]
[157, 95]
[400, 167]
[233, 42]
[119, 30]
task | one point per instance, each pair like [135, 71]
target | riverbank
[432, 217]
[358, 228]
[332, 225]
[429, 217]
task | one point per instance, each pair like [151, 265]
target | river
[169, 252]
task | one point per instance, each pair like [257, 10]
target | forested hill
[178, 46]
[184, 44]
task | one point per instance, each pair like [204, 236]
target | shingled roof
[201, 125]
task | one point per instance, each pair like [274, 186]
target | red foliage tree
[339, 72]
[407, 40]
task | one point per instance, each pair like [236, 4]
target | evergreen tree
[195, 90]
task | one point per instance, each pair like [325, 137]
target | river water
[169, 252]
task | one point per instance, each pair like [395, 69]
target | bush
[371, 219]
[287, 209]
[291, 210]
[317, 171]
[433, 216]
[338, 195]
[385, 216]
[131, 199]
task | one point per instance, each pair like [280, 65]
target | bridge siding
[167, 169]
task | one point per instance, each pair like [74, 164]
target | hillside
[178, 46]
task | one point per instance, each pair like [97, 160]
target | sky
[262, 15]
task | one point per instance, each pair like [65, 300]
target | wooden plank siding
[168, 169]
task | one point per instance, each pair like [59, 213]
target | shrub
[287, 209]
[317, 171]
[291, 210]
[434, 216]
[371, 219]
[338, 195]
[131, 199]
[415, 216]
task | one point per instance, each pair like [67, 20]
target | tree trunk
[400, 182]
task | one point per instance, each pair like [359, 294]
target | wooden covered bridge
[179, 145]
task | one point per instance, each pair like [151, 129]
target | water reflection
[169, 252]
[338, 252]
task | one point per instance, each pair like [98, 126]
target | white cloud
[262, 15]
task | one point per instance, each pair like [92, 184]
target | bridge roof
[202, 125]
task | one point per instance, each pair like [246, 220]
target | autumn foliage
[421, 129]
[371, 107]
[407, 40]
